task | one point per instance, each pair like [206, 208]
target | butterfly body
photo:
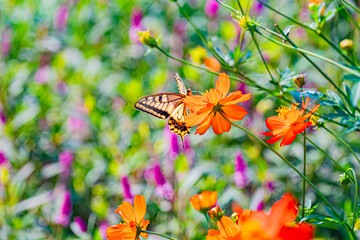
[168, 105]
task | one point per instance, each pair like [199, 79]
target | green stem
[202, 37]
[304, 182]
[347, 227]
[356, 198]
[349, 15]
[343, 142]
[316, 66]
[311, 54]
[250, 82]
[310, 29]
[328, 156]
[208, 220]
[158, 234]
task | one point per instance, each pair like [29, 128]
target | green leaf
[355, 94]
[351, 77]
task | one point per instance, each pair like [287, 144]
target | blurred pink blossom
[241, 171]
[257, 8]
[173, 141]
[126, 189]
[163, 188]
[211, 8]
[76, 124]
[5, 43]
[102, 229]
[3, 159]
[2, 117]
[42, 74]
[82, 226]
[61, 18]
[61, 88]
[65, 160]
[135, 24]
[64, 212]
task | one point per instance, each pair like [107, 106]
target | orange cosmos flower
[204, 201]
[213, 64]
[288, 124]
[206, 110]
[278, 224]
[313, 3]
[134, 218]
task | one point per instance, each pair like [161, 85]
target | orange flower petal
[288, 138]
[126, 212]
[300, 127]
[195, 119]
[235, 97]
[213, 96]
[220, 124]
[275, 122]
[274, 139]
[234, 112]
[213, 64]
[223, 84]
[228, 228]
[302, 231]
[193, 102]
[205, 124]
[213, 234]
[120, 232]
[140, 207]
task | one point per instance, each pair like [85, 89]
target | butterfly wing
[159, 105]
[177, 120]
[180, 84]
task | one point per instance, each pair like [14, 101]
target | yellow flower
[146, 38]
[198, 54]
[346, 44]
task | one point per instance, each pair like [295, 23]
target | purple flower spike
[102, 229]
[64, 212]
[159, 177]
[65, 160]
[61, 18]
[3, 159]
[241, 171]
[163, 188]
[81, 224]
[126, 188]
[211, 8]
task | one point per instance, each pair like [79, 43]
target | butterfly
[168, 105]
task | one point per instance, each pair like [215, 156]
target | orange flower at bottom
[204, 201]
[208, 110]
[134, 218]
[288, 124]
[278, 224]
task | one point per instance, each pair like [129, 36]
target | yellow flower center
[282, 111]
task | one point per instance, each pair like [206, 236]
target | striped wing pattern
[165, 105]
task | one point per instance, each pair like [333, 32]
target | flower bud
[146, 38]
[344, 179]
[215, 213]
[244, 22]
[346, 44]
[299, 80]
[235, 217]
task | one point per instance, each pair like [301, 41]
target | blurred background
[73, 147]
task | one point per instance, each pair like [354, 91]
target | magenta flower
[126, 189]
[135, 24]
[173, 141]
[211, 8]
[80, 223]
[65, 160]
[102, 229]
[3, 159]
[76, 124]
[2, 117]
[241, 171]
[61, 18]
[5, 43]
[257, 8]
[42, 74]
[163, 188]
[64, 212]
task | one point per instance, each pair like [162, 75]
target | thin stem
[304, 182]
[356, 198]
[263, 59]
[158, 234]
[343, 142]
[316, 66]
[310, 29]
[347, 227]
[208, 220]
[331, 159]
[250, 82]
[349, 15]
[202, 37]
[311, 54]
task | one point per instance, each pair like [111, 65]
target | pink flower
[76, 124]
[126, 189]
[61, 18]
[65, 160]
[42, 74]
[135, 24]
[3, 159]
[80, 223]
[163, 188]
[211, 8]
[102, 229]
[64, 212]
[241, 171]
[5, 43]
